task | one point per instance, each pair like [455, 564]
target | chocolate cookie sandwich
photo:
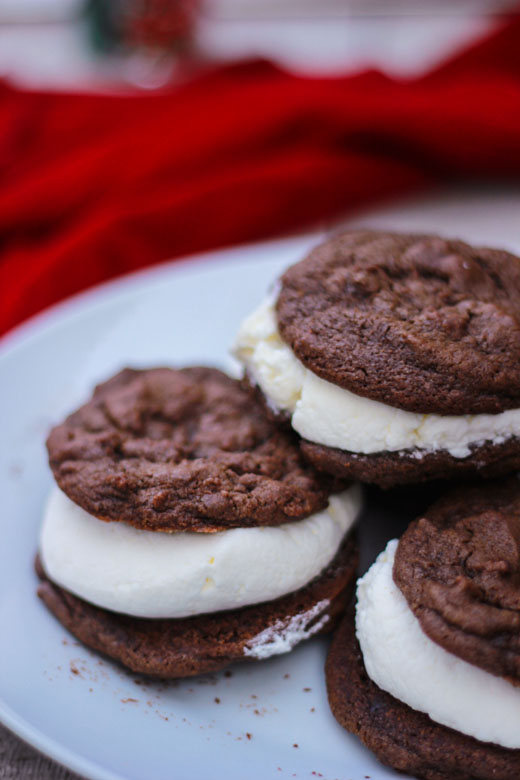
[186, 531]
[429, 675]
[395, 357]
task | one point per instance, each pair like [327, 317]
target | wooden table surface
[18, 761]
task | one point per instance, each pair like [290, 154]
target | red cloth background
[94, 186]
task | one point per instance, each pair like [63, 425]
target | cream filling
[285, 634]
[403, 661]
[327, 414]
[160, 575]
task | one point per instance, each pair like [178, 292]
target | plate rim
[50, 315]
[51, 748]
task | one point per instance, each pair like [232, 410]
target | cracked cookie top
[182, 450]
[414, 321]
[458, 567]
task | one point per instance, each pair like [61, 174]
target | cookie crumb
[217, 700]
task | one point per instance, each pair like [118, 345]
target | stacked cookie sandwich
[396, 358]
[431, 681]
[186, 531]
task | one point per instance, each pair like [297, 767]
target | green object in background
[102, 25]
[133, 24]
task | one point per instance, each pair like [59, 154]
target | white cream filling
[403, 661]
[327, 414]
[285, 634]
[154, 575]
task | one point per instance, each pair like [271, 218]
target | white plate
[269, 720]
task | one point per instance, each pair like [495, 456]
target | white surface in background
[57, 55]
[401, 45]
[38, 11]
[254, 9]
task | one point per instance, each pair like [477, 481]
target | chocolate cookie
[458, 567]
[404, 467]
[195, 645]
[401, 737]
[414, 321]
[178, 450]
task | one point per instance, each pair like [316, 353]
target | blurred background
[137, 131]
[93, 44]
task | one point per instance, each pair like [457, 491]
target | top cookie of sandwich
[182, 450]
[414, 321]
[458, 567]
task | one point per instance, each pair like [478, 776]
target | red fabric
[93, 186]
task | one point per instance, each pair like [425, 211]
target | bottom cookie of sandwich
[401, 737]
[184, 647]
